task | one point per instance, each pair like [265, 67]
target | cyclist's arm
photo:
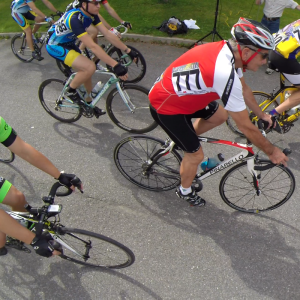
[254, 135]
[104, 22]
[34, 157]
[50, 5]
[112, 12]
[97, 50]
[11, 227]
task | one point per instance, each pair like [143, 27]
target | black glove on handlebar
[59, 13]
[127, 24]
[41, 245]
[133, 54]
[120, 70]
[69, 180]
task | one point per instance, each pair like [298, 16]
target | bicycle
[19, 43]
[79, 246]
[252, 186]
[267, 102]
[136, 70]
[6, 156]
[127, 105]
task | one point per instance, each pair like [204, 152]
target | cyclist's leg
[294, 98]
[213, 117]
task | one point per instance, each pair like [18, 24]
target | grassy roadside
[144, 14]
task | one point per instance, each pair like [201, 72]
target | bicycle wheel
[94, 249]
[133, 155]
[139, 120]
[57, 107]
[20, 49]
[66, 70]
[276, 184]
[6, 156]
[136, 71]
[266, 104]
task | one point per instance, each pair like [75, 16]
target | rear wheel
[66, 70]
[136, 120]
[56, 105]
[134, 154]
[136, 70]
[20, 49]
[94, 249]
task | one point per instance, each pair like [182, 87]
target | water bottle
[96, 89]
[212, 162]
[295, 109]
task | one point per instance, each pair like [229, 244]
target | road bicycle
[19, 44]
[127, 105]
[136, 70]
[253, 185]
[268, 102]
[6, 156]
[79, 246]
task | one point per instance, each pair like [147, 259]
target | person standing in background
[273, 11]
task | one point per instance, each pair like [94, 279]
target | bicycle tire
[138, 121]
[19, 48]
[237, 189]
[6, 156]
[49, 92]
[263, 100]
[66, 70]
[117, 255]
[136, 71]
[133, 154]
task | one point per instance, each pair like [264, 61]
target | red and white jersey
[198, 77]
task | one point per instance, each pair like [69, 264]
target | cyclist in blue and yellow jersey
[23, 11]
[9, 195]
[285, 58]
[61, 45]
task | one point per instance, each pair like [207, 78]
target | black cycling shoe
[37, 56]
[276, 126]
[3, 251]
[74, 96]
[98, 112]
[192, 197]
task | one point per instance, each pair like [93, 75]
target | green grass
[144, 14]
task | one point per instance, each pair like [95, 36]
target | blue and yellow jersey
[288, 41]
[21, 6]
[70, 26]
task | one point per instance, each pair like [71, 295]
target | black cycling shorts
[180, 127]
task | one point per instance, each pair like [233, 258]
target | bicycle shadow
[43, 278]
[258, 253]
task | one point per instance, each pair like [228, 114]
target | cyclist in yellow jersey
[285, 59]
[9, 195]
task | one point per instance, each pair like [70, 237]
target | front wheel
[134, 116]
[133, 156]
[93, 249]
[276, 186]
[266, 104]
[55, 104]
[136, 70]
[20, 49]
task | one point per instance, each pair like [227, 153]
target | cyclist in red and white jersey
[190, 85]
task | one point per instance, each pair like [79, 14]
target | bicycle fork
[255, 177]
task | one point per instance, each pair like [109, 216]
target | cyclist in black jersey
[9, 195]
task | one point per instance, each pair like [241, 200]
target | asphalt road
[182, 252]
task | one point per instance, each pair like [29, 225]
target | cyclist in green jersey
[9, 195]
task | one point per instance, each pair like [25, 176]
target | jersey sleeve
[7, 134]
[96, 21]
[76, 25]
[228, 86]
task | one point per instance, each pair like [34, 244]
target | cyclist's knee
[195, 157]
[15, 199]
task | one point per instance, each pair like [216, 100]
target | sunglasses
[95, 3]
[263, 55]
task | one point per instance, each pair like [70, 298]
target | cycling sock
[71, 90]
[273, 112]
[185, 191]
